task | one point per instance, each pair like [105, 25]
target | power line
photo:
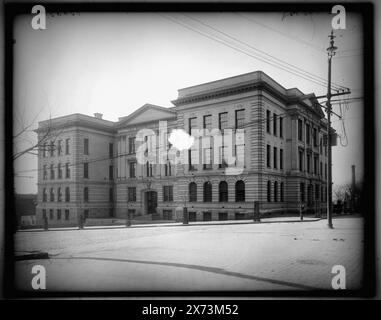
[245, 52]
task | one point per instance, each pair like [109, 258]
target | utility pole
[331, 52]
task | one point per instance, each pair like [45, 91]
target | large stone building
[89, 166]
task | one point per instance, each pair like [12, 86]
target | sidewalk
[180, 224]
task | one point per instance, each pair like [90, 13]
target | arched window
[193, 192]
[223, 191]
[67, 194]
[208, 191]
[275, 191]
[239, 191]
[269, 191]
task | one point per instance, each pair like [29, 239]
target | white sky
[115, 63]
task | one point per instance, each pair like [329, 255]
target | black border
[11, 10]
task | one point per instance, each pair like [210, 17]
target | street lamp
[331, 52]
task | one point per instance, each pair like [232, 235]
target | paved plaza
[205, 257]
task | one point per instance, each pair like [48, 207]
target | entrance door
[151, 197]
[207, 216]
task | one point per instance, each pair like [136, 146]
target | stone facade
[282, 154]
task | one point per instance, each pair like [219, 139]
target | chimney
[98, 115]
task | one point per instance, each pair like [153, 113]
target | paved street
[266, 256]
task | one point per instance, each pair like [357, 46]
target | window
[268, 191]
[149, 169]
[132, 194]
[44, 195]
[168, 193]
[52, 175]
[45, 173]
[302, 192]
[208, 191]
[51, 194]
[67, 146]
[316, 164]
[314, 137]
[317, 192]
[281, 159]
[59, 195]
[268, 120]
[167, 214]
[239, 118]
[132, 169]
[275, 124]
[192, 122]
[276, 191]
[208, 155]
[67, 214]
[131, 213]
[59, 147]
[239, 191]
[301, 156]
[86, 170]
[281, 191]
[207, 122]
[59, 171]
[223, 191]
[300, 130]
[86, 194]
[223, 121]
[308, 163]
[111, 172]
[222, 161]
[281, 127]
[268, 156]
[51, 214]
[193, 192]
[58, 214]
[275, 155]
[321, 146]
[111, 195]
[321, 168]
[44, 213]
[308, 140]
[86, 146]
[168, 169]
[67, 169]
[191, 155]
[325, 171]
[52, 148]
[67, 194]
[131, 145]
[111, 150]
[44, 150]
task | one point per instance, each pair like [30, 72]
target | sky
[115, 63]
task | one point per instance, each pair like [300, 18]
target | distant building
[90, 167]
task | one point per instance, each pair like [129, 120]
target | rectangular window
[168, 169]
[86, 194]
[223, 121]
[52, 175]
[268, 120]
[59, 147]
[314, 137]
[58, 214]
[308, 163]
[207, 161]
[67, 169]
[268, 156]
[131, 145]
[149, 169]
[86, 146]
[132, 169]
[167, 214]
[168, 193]
[300, 130]
[275, 124]
[275, 155]
[67, 146]
[207, 122]
[44, 150]
[191, 157]
[239, 118]
[222, 160]
[325, 171]
[51, 214]
[317, 192]
[45, 173]
[132, 194]
[192, 123]
[59, 171]
[281, 191]
[269, 191]
[86, 170]
[316, 164]
[52, 148]
[67, 214]
[308, 140]
[281, 159]
[44, 213]
[111, 172]
[111, 150]
[59, 195]
[281, 127]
